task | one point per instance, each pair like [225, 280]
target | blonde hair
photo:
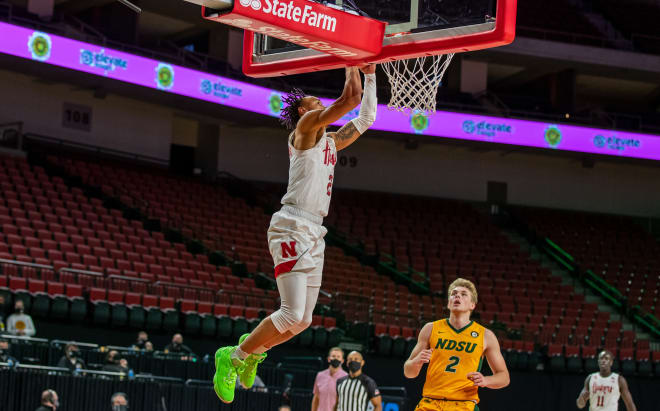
[462, 282]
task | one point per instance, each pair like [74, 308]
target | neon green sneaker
[249, 371]
[226, 371]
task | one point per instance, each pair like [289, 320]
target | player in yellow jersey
[454, 348]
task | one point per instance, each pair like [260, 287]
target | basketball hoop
[414, 82]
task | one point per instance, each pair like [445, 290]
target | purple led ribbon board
[129, 68]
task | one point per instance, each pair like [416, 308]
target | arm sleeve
[369, 105]
[372, 388]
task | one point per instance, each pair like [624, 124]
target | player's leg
[313, 280]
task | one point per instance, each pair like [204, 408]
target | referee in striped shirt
[356, 390]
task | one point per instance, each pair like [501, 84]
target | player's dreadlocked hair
[289, 115]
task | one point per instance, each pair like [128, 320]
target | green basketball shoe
[226, 371]
[249, 372]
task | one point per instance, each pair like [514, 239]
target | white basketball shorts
[295, 241]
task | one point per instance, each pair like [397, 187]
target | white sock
[240, 354]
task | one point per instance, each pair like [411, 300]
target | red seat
[166, 303]
[220, 309]
[17, 284]
[133, 299]
[187, 306]
[55, 288]
[36, 286]
[236, 311]
[251, 313]
[74, 291]
[329, 322]
[149, 301]
[115, 297]
[394, 331]
[204, 307]
[380, 329]
[97, 294]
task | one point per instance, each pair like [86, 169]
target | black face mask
[19, 310]
[354, 366]
[73, 353]
[120, 408]
[334, 363]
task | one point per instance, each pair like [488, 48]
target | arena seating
[615, 248]
[447, 239]
[557, 21]
[71, 246]
[636, 20]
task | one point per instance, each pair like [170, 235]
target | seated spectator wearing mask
[115, 364]
[176, 346]
[20, 323]
[49, 401]
[142, 341]
[71, 358]
[119, 402]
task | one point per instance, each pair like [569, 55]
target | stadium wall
[117, 123]
[457, 172]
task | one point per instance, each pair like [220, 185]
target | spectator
[5, 355]
[2, 313]
[119, 402]
[325, 385]
[177, 346]
[71, 358]
[148, 346]
[115, 364]
[49, 401]
[142, 340]
[355, 391]
[20, 323]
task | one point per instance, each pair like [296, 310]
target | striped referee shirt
[353, 394]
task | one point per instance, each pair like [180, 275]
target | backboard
[414, 28]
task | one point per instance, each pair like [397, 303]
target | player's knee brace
[288, 317]
[302, 325]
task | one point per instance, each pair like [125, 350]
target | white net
[414, 82]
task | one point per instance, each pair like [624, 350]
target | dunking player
[454, 349]
[295, 235]
[602, 389]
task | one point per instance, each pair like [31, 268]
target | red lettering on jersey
[330, 177]
[289, 250]
[328, 157]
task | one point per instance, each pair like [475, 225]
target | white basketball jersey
[311, 175]
[604, 392]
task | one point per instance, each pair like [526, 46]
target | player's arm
[625, 394]
[584, 394]
[420, 355]
[500, 377]
[315, 403]
[312, 121]
[356, 127]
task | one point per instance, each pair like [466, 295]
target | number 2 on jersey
[451, 367]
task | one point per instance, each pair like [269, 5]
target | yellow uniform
[456, 353]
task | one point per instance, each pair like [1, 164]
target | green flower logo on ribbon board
[275, 103]
[553, 136]
[164, 76]
[419, 122]
[40, 46]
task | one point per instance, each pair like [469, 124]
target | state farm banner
[308, 24]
